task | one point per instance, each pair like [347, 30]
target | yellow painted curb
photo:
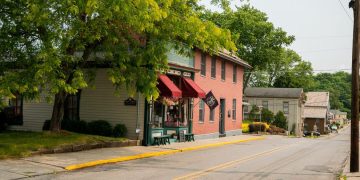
[153, 154]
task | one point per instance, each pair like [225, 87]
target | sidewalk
[55, 163]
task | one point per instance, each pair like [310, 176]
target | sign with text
[210, 100]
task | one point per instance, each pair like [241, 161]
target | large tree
[258, 41]
[46, 47]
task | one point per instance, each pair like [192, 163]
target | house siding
[100, 103]
[222, 90]
[96, 103]
[35, 113]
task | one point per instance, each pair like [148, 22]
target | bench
[189, 137]
[162, 140]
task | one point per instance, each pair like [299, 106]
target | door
[222, 118]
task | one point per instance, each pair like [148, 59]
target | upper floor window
[72, 106]
[201, 111]
[234, 73]
[223, 70]
[213, 67]
[265, 104]
[203, 64]
[234, 109]
[286, 107]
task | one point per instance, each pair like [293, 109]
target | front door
[222, 118]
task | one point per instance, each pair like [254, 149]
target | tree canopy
[48, 46]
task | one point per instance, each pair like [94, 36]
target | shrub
[99, 127]
[276, 130]
[46, 125]
[78, 126]
[120, 130]
[245, 127]
[257, 127]
[280, 120]
[267, 116]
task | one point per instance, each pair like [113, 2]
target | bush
[78, 126]
[267, 116]
[255, 127]
[280, 120]
[3, 123]
[46, 125]
[120, 130]
[99, 127]
[245, 128]
[276, 130]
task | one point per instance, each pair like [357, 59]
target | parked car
[308, 133]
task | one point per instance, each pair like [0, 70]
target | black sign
[130, 102]
[210, 100]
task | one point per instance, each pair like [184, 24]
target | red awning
[191, 89]
[167, 88]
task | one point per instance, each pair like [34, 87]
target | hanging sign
[210, 100]
[130, 102]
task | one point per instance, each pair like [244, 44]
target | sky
[322, 29]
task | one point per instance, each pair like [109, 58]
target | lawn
[15, 144]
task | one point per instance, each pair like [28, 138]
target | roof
[317, 99]
[273, 92]
[233, 58]
[337, 112]
[314, 112]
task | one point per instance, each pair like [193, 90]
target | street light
[260, 108]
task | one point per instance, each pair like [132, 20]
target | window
[234, 109]
[212, 114]
[286, 107]
[223, 70]
[203, 64]
[72, 106]
[213, 67]
[13, 113]
[201, 111]
[234, 73]
[265, 104]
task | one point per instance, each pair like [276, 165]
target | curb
[153, 154]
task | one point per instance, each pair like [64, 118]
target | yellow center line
[231, 163]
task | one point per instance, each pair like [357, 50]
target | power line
[345, 10]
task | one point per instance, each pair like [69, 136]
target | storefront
[171, 113]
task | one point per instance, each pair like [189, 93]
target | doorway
[222, 118]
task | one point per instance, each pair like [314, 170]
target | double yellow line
[231, 163]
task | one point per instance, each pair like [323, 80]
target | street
[277, 157]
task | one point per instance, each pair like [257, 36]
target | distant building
[316, 111]
[287, 100]
[338, 117]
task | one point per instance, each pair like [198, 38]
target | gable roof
[317, 99]
[273, 92]
[337, 112]
[315, 112]
[233, 58]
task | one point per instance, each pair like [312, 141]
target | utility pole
[354, 152]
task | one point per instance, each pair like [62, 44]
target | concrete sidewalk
[55, 163]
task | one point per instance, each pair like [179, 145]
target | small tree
[280, 120]
[254, 113]
[267, 116]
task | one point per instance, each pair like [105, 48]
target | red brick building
[223, 75]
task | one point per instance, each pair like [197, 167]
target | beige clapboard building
[288, 100]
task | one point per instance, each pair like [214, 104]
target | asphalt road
[277, 157]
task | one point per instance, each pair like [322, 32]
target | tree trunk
[58, 111]
[247, 79]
